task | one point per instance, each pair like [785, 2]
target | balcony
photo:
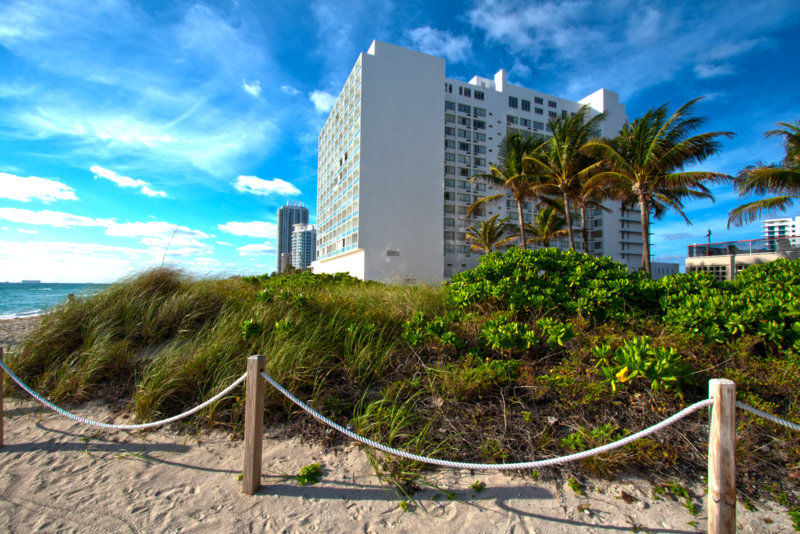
[774, 245]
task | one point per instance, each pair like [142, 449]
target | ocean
[25, 299]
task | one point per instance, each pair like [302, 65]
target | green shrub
[637, 357]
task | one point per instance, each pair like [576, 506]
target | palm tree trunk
[644, 206]
[521, 225]
[584, 230]
[568, 216]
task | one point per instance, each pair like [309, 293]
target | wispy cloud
[258, 186]
[440, 43]
[290, 90]
[250, 229]
[256, 250]
[323, 101]
[30, 188]
[126, 181]
[705, 70]
[252, 88]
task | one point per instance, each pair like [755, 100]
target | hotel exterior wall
[402, 163]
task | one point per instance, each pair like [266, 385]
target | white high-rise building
[288, 216]
[775, 228]
[396, 155]
[304, 242]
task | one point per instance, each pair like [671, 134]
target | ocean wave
[19, 315]
[42, 289]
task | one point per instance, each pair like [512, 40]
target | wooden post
[253, 424]
[722, 458]
[2, 394]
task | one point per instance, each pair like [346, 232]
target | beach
[13, 331]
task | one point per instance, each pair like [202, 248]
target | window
[464, 159]
[464, 134]
[450, 235]
[525, 122]
[448, 88]
[449, 143]
[479, 162]
[449, 169]
[463, 108]
[449, 182]
[538, 125]
[551, 104]
[526, 105]
[563, 113]
[449, 130]
[480, 186]
[464, 91]
[539, 111]
[511, 203]
[463, 172]
[477, 136]
[511, 119]
[462, 249]
[512, 102]
[479, 149]
[463, 197]
[461, 210]
[449, 249]
[479, 125]
[449, 208]
[462, 184]
[449, 118]
[449, 196]
[463, 121]
[448, 156]
[479, 112]
[449, 106]
[552, 114]
[538, 100]
[449, 222]
[478, 95]
[463, 146]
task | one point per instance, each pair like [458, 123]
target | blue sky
[133, 133]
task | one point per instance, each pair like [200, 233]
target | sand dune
[60, 476]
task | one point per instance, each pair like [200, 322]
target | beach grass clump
[533, 354]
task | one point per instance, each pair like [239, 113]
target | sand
[13, 331]
[57, 475]
[61, 476]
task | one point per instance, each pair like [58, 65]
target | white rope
[767, 416]
[80, 419]
[465, 465]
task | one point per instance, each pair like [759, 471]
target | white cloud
[252, 88]
[731, 49]
[250, 229]
[290, 90]
[32, 187]
[440, 43]
[323, 101]
[126, 181]
[256, 250]
[224, 243]
[58, 219]
[705, 70]
[259, 186]
[25, 231]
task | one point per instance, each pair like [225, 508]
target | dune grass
[531, 355]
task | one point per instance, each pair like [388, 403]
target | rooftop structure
[726, 259]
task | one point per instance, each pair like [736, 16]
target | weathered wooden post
[253, 424]
[722, 458]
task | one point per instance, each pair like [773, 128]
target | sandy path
[13, 331]
[60, 476]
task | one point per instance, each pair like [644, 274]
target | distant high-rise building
[284, 262]
[304, 243]
[782, 228]
[288, 216]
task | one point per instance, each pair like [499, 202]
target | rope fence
[722, 440]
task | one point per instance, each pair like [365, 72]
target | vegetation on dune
[530, 355]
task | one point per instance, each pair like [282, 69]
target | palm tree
[548, 224]
[490, 235]
[587, 195]
[646, 162]
[782, 178]
[510, 173]
[560, 163]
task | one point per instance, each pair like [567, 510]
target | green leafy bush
[637, 357]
